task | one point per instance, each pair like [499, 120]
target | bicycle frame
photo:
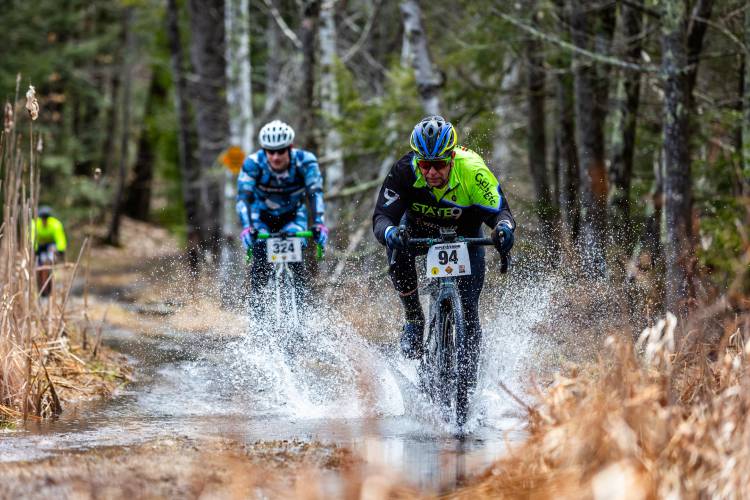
[283, 281]
[443, 364]
[45, 271]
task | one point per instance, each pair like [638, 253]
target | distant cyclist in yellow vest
[49, 239]
[48, 234]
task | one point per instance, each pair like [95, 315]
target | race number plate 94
[448, 259]
[284, 249]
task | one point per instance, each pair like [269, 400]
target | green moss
[7, 424]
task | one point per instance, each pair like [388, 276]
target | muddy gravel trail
[201, 389]
[321, 396]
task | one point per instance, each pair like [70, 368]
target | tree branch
[352, 190]
[365, 33]
[642, 8]
[724, 31]
[282, 24]
[605, 59]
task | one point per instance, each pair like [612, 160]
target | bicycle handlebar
[283, 234]
[428, 242]
[423, 242]
[319, 251]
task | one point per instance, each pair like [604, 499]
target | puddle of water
[331, 386]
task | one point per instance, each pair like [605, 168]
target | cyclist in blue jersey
[273, 187]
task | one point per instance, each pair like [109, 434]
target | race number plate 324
[448, 259]
[284, 249]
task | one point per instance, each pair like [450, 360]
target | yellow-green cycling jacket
[52, 232]
[471, 197]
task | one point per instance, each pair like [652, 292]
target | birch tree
[329, 98]
[239, 94]
[241, 129]
[239, 88]
[417, 53]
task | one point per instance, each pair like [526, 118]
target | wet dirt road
[336, 392]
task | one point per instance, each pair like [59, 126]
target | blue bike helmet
[45, 211]
[433, 138]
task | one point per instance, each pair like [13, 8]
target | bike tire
[450, 333]
[446, 361]
[290, 312]
[460, 352]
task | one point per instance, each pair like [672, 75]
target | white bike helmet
[276, 135]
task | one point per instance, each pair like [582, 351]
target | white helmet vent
[276, 135]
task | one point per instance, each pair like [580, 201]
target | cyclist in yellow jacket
[48, 234]
[438, 185]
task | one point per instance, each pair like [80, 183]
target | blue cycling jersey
[261, 191]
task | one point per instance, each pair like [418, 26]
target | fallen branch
[352, 190]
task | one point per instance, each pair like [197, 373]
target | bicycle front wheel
[447, 334]
[460, 383]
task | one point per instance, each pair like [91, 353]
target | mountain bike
[45, 261]
[446, 358]
[283, 248]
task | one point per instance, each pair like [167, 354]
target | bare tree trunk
[428, 80]
[696, 31]
[138, 203]
[682, 42]
[207, 52]
[310, 20]
[113, 237]
[567, 159]
[678, 249]
[650, 241]
[624, 122]
[592, 27]
[108, 145]
[746, 111]
[189, 170]
[502, 153]
[329, 98]
[536, 135]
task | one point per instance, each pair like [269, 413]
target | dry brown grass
[42, 361]
[644, 421]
